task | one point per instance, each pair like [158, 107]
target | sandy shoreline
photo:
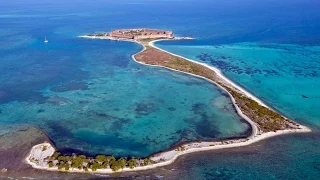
[169, 156]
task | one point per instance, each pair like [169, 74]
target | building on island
[139, 34]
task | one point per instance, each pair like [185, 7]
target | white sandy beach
[169, 156]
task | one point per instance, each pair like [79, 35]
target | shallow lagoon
[90, 96]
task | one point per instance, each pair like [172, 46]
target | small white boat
[45, 40]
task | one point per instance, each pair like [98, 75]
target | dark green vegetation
[190, 67]
[82, 162]
[177, 63]
[267, 119]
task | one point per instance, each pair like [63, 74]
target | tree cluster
[82, 162]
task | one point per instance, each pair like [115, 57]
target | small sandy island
[265, 121]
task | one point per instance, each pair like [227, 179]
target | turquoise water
[286, 76]
[88, 94]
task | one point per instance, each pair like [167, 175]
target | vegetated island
[265, 121]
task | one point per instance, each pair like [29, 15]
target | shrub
[132, 163]
[50, 164]
[146, 161]
[60, 167]
[101, 158]
[122, 162]
[94, 166]
[115, 165]
[66, 167]
[56, 155]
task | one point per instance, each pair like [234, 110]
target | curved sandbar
[238, 95]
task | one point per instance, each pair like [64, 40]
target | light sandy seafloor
[169, 156]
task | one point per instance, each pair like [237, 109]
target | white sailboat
[45, 40]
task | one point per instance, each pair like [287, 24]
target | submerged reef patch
[39, 111]
[205, 57]
[205, 127]
[59, 129]
[102, 139]
[169, 108]
[145, 108]
[57, 100]
[70, 86]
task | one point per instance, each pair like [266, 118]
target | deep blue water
[89, 94]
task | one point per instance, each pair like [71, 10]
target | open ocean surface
[89, 96]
